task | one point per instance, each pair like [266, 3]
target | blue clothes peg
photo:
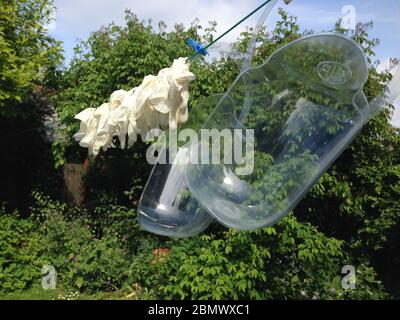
[197, 46]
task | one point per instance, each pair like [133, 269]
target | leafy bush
[290, 261]
[92, 251]
[28, 55]
[21, 252]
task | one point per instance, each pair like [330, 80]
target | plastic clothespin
[197, 46]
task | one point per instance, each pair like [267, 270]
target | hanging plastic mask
[292, 116]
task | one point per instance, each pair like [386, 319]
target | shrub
[21, 252]
[290, 261]
[93, 251]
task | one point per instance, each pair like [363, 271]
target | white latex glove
[160, 101]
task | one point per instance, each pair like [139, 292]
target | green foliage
[91, 251]
[27, 54]
[289, 261]
[20, 252]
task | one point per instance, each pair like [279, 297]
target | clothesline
[233, 27]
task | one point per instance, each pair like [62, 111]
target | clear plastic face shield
[283, 122]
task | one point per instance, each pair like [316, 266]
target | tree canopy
[28, 55]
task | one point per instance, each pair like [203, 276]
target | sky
[75, 19]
